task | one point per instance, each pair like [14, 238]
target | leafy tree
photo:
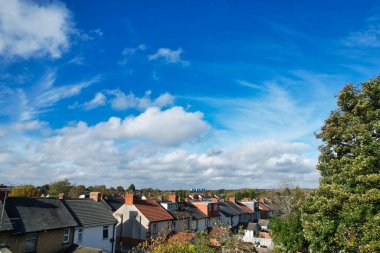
[131, 188]
[120, 190]
[62, 186]
[343, 214]
[100, 188]
[25, 191]
[44, 189]
[76, 191]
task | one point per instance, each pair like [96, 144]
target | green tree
[343, 214]
[25, 191]
[131, 188]
[62, 186]
[76, 190]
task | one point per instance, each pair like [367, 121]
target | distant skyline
[175, 94]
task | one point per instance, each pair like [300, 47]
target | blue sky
[175, 94]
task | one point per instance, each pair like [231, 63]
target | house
[38, 225]
[248, 216]
[211, 209]
[229, 215]
[186, 216]
[112, 203]
[265, 211]
[139, 220]
[180, 213]
[254, 206]
[199, 220]
[96, 224]
[252, 230]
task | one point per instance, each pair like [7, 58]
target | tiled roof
[227, 209]
[89, 213]
[245, 208]
[263, 207]
[37, 214]
[236, 207]
[195, 213]
[112, 203]
[5, 224]
[152, 210]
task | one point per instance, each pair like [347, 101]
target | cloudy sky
[175, 94]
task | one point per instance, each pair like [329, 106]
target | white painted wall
[93, 237]
[131, 222]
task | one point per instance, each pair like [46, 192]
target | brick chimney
[232, 199]
[173, 198]
[96, 196]
[187, 200]
[61, 196]
[129, 198]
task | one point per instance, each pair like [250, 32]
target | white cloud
[27, 104]
[369, 36]
[27, 125]
[99, 100]
[130, 51]
[169, 127]
[121, 101]
[168, 56]
[30, 29]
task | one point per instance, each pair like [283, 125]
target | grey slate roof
[112, 204]
[228, 209]
[5, 224]
[195, 213]
[187, 210]
[37, 214]
[89, 213]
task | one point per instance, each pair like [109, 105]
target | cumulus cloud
[169, 127]
[31, 29]
[121, 101]
[169, 56]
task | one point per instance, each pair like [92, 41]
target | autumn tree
[343, 214]
[25, 191]
[131, 188]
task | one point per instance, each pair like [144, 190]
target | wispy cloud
[169, 56]
[369, 36]
[130, 51]
[25, 32]
[27, 104]
[249, 84]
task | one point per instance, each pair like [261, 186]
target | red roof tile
[263, 207]
[245, 208]
[152, 210]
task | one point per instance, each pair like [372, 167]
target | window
[31, 242]
[80, 234]
[105, 232]
[66, 235]
[154, 228]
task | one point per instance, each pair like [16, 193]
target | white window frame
[80, 235]
[66, 235]
[31, 237]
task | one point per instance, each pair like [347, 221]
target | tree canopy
[25, 191]
[343, 214]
